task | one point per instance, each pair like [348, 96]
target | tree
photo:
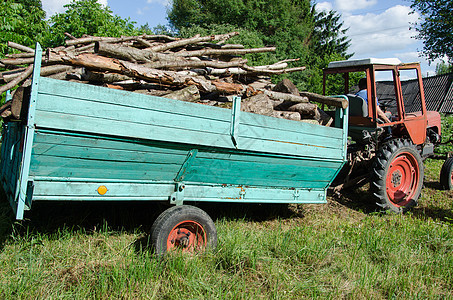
[443, 68]
[21, 21]
[293, 26]
[435, 27]
[87, 17]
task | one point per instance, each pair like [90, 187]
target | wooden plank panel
[129, 99]
[95, 141]
[141, 131]
[82, 168]
[257, 120]
[103, 154]
[242, 156]
[130, 115]
[89, 189]
[304, 137]
[289, 148]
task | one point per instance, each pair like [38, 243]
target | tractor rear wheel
[397, 177]
[446, 174]
[183, 228]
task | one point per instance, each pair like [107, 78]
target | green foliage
[435, 27]
[443, 68]
[87, 17]
[293, 26]
[21, 21]
[447, 135]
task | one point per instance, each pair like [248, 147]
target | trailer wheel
[446, 174]
[185, 228]
[397, 177]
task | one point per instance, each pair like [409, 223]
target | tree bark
[17, 80]
[20, 47]
[190, 94]
[129, 53]
[206, 52]
[305, 109]
[337, 102]
[194, 40]
[285, 96]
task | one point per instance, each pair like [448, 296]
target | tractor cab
[394, 88]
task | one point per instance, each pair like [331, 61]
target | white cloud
[324, 6]
[375, 33]
[350, 5]
[162, 2]
[52, 7]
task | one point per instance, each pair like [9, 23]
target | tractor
[389, 153]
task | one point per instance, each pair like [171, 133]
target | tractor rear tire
[446, 174]
[183, 228]
[397, 176]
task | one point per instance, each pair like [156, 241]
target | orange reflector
[102, 190]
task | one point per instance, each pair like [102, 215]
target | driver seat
[358, 107]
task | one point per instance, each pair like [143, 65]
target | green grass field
[343, 249]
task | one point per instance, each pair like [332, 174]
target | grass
[343, 249]
[339, 250]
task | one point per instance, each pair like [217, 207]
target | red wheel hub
[402, 179]
[188, 236]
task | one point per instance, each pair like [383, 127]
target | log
[289, 115]
[194, 40]
[17, 80]
[5, 110]
[258, 104]
[88, 60]
[70, 36]
[16, 103]
[337, 102]
[160, 37]
[101, 77]
[20, 47]
[17, 61]
[176, 65]
[284, 96]
[92, 39]
[144, 42]
[190, 94]
[273, 72]
[7, 76]
[21, 55]
[305, 109]
[206, 52]
[129, 53]
[286, 86]
[324, 119]
[45, 71]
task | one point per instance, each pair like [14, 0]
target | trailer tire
[397, 176]
[186, 228]
[446, 174]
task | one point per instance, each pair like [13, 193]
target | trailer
[80, 142]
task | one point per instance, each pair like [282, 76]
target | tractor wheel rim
[402, 179]
[187, 236]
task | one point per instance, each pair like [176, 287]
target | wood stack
[198, 69]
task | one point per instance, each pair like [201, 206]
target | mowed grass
[342, 249]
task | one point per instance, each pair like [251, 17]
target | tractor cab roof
[364, 62]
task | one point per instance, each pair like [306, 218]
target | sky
[377, 29]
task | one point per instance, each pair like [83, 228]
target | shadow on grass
[357, 199]
[53, 217]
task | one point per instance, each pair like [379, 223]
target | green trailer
[80, 142]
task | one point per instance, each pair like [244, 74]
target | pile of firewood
[199, 69]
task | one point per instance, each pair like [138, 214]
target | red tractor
[388, 151]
